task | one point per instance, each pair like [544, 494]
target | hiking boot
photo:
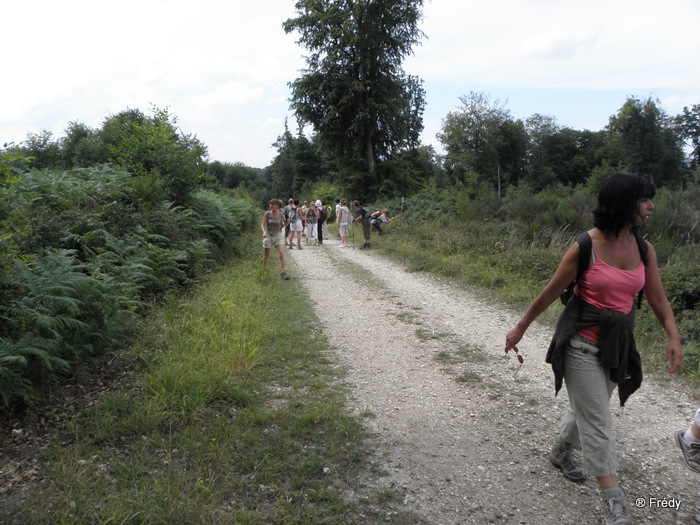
[615, 508]
[691, 452]
[299, 247]
[284, 276]
[562, 457]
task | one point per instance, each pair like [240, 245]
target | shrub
[82, 252]
[58, 316]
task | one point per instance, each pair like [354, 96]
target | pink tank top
[609, 288]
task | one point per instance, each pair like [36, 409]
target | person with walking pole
[363, 214]
[353, 234]
[344, 221]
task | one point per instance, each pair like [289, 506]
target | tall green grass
[235, 414]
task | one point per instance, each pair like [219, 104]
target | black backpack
[584, 259]
[322, 215]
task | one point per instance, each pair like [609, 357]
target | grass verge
[236, 414]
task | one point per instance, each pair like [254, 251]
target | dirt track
[457, 434]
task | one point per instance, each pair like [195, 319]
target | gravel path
[461, 436]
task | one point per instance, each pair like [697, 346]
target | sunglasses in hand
[520, 360]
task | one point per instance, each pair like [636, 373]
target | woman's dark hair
[618, 201]
[277, 201]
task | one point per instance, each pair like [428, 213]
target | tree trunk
[499, 179]
[369, 154]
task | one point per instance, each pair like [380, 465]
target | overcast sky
[222, 66]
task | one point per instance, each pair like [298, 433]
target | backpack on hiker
[322, 214]
[584, 259]
[293, 215]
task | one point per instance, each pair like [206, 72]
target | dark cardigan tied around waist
[618, 350]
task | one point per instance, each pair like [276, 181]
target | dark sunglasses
[520, 360]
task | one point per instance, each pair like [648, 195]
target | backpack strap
[585, 247]
[643, 248]
[584, 253]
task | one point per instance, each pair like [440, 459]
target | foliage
[84, 251]
[246, 181]
[219, 405]
[650, 144]
[551, 209]
[689, 123]
[151, 147]
[155, 145]
[298, 163]
[58, 315]
[481, 137]
[559, 155]
[354, 91]
[483, 143]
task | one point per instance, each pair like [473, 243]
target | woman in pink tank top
[593, 349]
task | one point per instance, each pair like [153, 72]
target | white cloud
[222, 66]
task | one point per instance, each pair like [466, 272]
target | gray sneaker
[616, 508]
[284, 276]
[562, 457]
[691, 453]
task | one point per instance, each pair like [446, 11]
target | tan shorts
[275, 240]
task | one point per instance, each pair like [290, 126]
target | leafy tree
[540, 129]
[308, 163]
[154, 146]
[558, 155]
[649, 141]
[281, 170]
[482, 138]
[82, 147]
[354, 91]
[44, 152]
[298, 164]
[689, 123]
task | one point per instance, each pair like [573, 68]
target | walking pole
[353, 235]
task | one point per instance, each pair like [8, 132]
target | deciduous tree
[689, 123]
[354, 91]
[650, 142]
[482, 137]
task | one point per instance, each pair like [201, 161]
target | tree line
[486, 149]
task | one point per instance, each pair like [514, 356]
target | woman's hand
[513, 337]
[674, 356]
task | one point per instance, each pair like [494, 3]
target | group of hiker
[286, 225]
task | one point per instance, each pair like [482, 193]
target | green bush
[83, 252]
[58, 316]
